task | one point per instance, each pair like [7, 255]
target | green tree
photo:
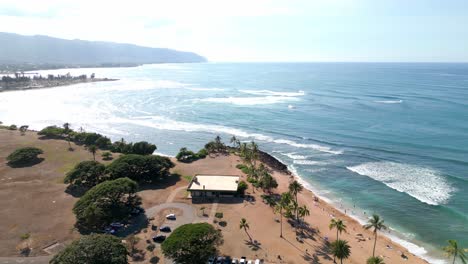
[267, 182]
[295, 188]
[86, 174]
[244, 225]
[24, 156]
[107, 202]
[106, 155]
[142, 169]
[340, 249]
[52, 132]
[93, 149]
[377, 224]
[339, 225]
[254, 152]
[192, 243]
[453, 250]
[282, 205]
[242, 187]
[93, 249]
[23, 129]
[303, 211]
[143, 148]
[375, 260]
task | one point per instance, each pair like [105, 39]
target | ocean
[385, 138]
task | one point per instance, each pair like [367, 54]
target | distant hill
[19, 49]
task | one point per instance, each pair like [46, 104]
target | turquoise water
[385, 138]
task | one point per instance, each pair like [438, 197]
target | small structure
[213, 186]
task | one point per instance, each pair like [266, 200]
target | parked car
[159, 238]
[211, 260]
[171, 217]
[109, 230]
[220, 260]
[165, 229]
[154, 227]
[257, 261]
[235, 261]
[249, 262]
[243, 260]
[227, 260]
[117, 225]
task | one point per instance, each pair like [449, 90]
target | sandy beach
[265, 229]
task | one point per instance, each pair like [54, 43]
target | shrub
[24, 156]
[106, 155]
[25, 236]
[219, 215]
[52, 132]
[143, 148]
[241, 187]
[150, 247]
[188, 156]
[13, 127]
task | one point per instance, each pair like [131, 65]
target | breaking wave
[163, 123]
[264, 100]
[424, 184]
[273, 93]
[390, 101]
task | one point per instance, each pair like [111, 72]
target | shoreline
[47, 85]
[397, 239]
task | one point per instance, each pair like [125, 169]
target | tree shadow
[161, 183]
[254, 245]
[26, 164]
[324, 250]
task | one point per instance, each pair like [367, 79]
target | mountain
[18, 49]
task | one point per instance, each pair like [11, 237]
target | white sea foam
[244, 101]
[163, 123]
[273, 93]
[390, 101]
[307, 162]
[205, 89]
[424, 184]
[295, 156]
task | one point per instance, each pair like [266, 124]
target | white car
[243, 260]
[171, 216]
[257, 261]
[249, 262]
[234, 261]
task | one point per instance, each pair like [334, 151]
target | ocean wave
[205, 89]
[243, 101]
[295, 156]
[307, 162]
[424, 184]
[273, 93]
[163, 123]
[389, 101]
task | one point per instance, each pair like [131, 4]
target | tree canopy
[86, 174]
[143, 148]
[93, 249]
[188, 156]
[107, 202]
[192, 243]
[140, 168]
[23, 156]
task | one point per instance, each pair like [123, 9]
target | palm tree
[283, 204]
[303, 211]
[244, 225]
[376, 223]
[375, 260]
[233, 141]
[93, 150]
[339, 225]
[254, 151]
[66, 131]
[341, 250]
[294, 188]
[454, 250]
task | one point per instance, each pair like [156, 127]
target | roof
[214, 183]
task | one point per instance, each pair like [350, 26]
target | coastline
[334, 209]
[46, 85]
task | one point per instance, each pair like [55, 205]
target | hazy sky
[258, 30]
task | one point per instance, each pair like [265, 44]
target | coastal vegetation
[107, 202]
[24, 157]
[96, 248]
[375, 260]
[86, 174]
[142, 169]
[245, 226]
[339, 225]
[188, 156]
[192, 243]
